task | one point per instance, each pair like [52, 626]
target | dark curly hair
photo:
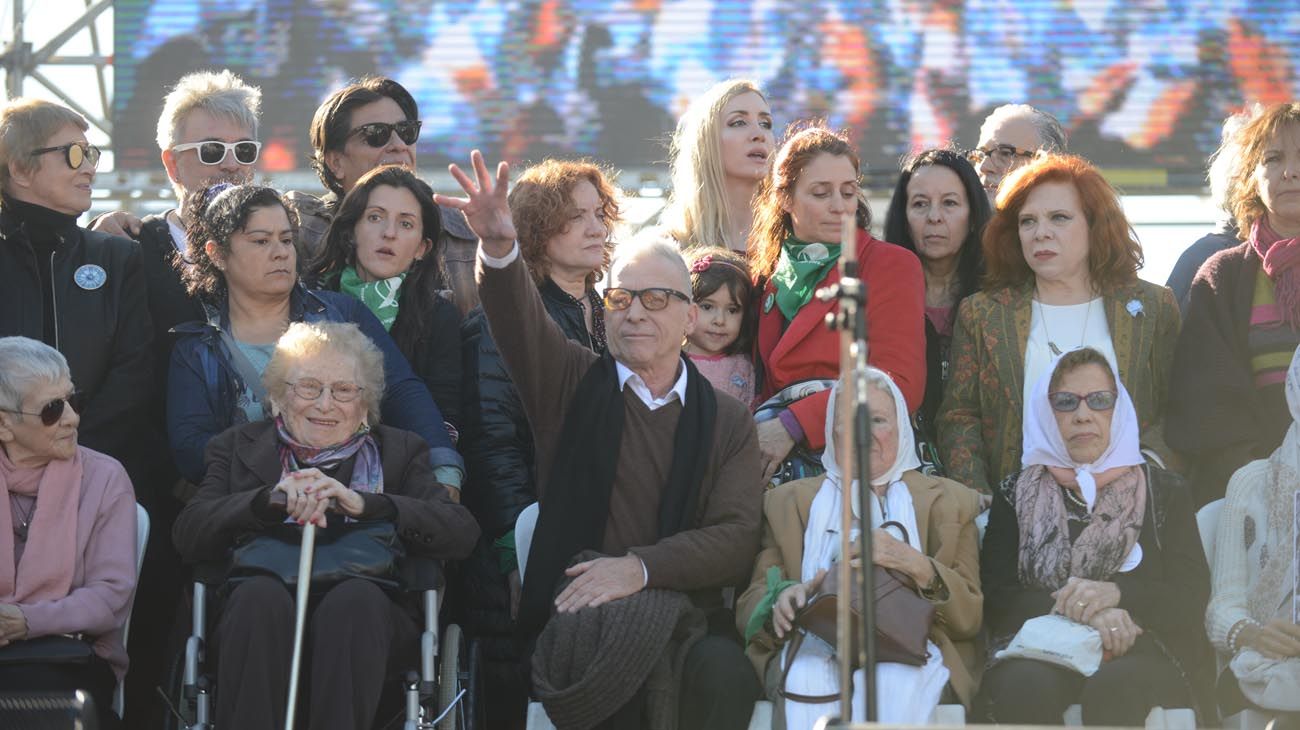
[332, 121]
[216, 213]
[419, 293]
[970, 260]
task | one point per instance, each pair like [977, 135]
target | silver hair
[1224, 160]
[341, 340]
[24, 364]
[1051, 134]
[221, 94]
[658, 246]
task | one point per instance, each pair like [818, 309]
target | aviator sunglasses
[1067, 402]
[377, 134]
[74, 153]
[51, 412]
[212, 152]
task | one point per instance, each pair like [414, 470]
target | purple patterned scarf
[367, 473]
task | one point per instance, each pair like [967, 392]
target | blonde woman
[719, 154]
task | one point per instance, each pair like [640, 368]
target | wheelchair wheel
[454, 675]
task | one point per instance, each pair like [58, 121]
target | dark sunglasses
[212, 152]
[653, 299]
[74, 153]
[1067, 402]
[377, 134]
[51, 412]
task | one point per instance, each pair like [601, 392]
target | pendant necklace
[1051, 344]
[24, 520]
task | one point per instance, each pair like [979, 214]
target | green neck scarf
[380, 297]
[801, 267]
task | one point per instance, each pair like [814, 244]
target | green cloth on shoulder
[800, 269]
[380, 297]
[763, 611]
[507, 555]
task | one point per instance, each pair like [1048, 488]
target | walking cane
[300, 618]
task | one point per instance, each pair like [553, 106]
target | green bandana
[801, 267]
[380, 297]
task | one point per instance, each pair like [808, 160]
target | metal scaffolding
[22, 61]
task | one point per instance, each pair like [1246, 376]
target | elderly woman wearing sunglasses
[79, 291]
[67, 536]
[1085, 529]
[563, 212]
[366, 124]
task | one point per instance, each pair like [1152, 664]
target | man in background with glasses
[366, 124]
[1010, 136]
[207, 133]
[647, 479]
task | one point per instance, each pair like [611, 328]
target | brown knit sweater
[546, 368]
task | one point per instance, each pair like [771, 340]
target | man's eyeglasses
[653, 299]
[74, 153]
[1004, 155]
[212, 152]
[377, 134]
[310, 389]
[1067, 402]
[52, 412]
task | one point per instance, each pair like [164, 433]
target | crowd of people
[624, 447]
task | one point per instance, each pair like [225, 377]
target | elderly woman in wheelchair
[323, 459]
[67, 566]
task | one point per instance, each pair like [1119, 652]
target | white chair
[525, 523]
[141, 540]
[1207, 523]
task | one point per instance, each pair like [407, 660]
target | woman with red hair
[1061, 265]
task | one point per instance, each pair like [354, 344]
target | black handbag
[368, 550]
[56, 649]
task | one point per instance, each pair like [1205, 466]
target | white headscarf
[1043, 444]
[821, 543]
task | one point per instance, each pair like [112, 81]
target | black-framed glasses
[212, 151]
[310, 389]
[655, 298]
[377, 134]
[1003, 154]
[52, 412]
[74, 153]
[1067, 402]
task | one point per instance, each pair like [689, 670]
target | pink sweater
[104, 578]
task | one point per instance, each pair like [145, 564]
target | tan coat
[945, 515]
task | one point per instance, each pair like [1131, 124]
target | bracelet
[1234, 633]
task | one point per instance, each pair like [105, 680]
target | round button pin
[90, 277]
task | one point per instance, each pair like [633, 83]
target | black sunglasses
[212, 152]
[51, 412]
[653, 299]
[1067, 402]
[377, 134]
[74, 153]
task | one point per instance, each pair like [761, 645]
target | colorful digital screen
[1137, 83]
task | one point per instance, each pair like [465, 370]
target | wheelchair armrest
[422, 574]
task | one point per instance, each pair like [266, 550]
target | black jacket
[1166, 594]
[495, 436]
[101, 325]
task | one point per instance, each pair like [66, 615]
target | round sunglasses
[1067, 402]
[212, 152]
[51, 412]
[74, 153]
[653, 299]
[377, 134]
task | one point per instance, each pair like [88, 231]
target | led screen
[1137, 83]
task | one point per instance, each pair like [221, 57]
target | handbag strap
[795, 643]
[252, 379]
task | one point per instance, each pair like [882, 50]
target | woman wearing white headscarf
[1087, 530]
[1251, 618]
[801, 542]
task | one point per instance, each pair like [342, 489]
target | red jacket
[807, 349]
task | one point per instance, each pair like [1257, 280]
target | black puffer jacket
[83, 293]
[495, 436]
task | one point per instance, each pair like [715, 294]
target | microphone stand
[855, 441]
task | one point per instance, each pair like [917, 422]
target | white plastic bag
[1057, 640]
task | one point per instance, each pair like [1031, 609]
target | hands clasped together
[309, 493]
[1096, 603]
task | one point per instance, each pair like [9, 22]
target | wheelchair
[440, 694]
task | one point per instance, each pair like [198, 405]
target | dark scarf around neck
[576, 506]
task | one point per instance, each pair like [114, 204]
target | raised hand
[486, 209]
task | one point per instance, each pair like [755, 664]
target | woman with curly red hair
[1061, 265]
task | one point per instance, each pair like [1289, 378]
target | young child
[721, 342]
